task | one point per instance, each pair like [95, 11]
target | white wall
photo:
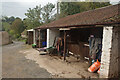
[115, 54]
[106, 51]
[110, 52]
[51, 34]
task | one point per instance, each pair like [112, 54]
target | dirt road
[15, 65]
[21, 61]
[72, 68]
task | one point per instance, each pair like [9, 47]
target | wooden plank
[64, 29]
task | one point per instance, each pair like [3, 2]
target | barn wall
[110, 52]
[106, 49]
[37, 38]
[51, 34]
[119, 52]
[113, 70]
[30, 37]
[79, 49]
[76, 40]
[79, 37]
[43, 37]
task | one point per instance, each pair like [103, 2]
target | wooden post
[39, 39]
[64, 45]
[28, 38]
[34, 41]
[36, 37]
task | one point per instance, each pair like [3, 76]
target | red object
[94, 66]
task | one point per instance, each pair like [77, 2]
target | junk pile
[95, 45]
[52, 50]
[57, 48]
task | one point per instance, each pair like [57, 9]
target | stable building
[31, 36]
[75, 29]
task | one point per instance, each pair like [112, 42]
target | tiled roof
[97, 16]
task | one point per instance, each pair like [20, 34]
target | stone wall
[5, 38]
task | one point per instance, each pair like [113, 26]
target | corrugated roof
[97, 16]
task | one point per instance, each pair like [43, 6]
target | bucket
[33, 45]
[94, 66]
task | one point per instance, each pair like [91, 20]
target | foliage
[34, 13]
[47, 12]
[33, 17]
[8, 19]
[17, 28]
[6, 22]
[70, 8]
[39, 15]
[6, 26]
[14, 26]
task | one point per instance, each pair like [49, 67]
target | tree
[6, 26]
[6, 22]
[31, 24]
[1, 25]
[33, 17]
[17, 28]
[47, 12]
[8, 19]
[14, 26]
[39, 15]
[70, 8]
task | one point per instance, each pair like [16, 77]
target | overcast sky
[18, 8]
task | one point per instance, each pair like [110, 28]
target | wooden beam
[64, 29]
[36, 37]
[39, 39]
[28, 38]
[64, 45]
